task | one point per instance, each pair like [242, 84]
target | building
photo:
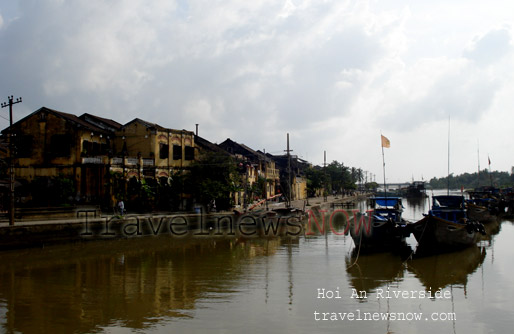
[258, 170]
[89, 150]
[296, 177]
[50, 144]
[145, 150]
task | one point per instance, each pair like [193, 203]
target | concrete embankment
[26, 234]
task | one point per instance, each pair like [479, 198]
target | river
[167, 284]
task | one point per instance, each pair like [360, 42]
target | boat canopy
[387, 201]
[448, 201]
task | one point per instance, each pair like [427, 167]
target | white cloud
[491, 47]
[328, 72]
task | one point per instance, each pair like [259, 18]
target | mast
[448, 187]
[478, 154]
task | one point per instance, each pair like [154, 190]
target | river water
[275, 285]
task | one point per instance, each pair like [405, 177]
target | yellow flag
[385, 142]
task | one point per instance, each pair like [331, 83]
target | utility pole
[11, 157]
[325, 175]
[288, 204]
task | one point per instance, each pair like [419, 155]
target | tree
[314, 180]
[475, 180]
[214, 177]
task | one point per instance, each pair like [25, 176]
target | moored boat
[446, 226]
[416, 189]
[383, 227]
[480, 211]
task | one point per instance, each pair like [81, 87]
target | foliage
[213, 177]
[470, 181]
[51, 191]
[336, 176]
[341, 177]
[371, 186]
[315, 180]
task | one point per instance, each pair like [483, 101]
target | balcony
[132, 161]
[117, 161]
[99, 160]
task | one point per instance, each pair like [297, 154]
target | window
[23, 146]
[60, 145]
[163, 151]
[190, 153]
[177, 152]
[92, 148]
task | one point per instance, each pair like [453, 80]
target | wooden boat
[447, 226]
[479, 210]
[382, 227]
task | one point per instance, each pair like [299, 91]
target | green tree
[474, 180]
[214, 177]
[314, 180]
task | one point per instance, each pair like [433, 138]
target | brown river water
[168, 284]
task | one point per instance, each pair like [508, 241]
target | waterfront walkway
[303, 204]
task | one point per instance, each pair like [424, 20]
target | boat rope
[358, 251]
[418, 242]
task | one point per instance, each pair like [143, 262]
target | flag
[489, 159]
[385, 142]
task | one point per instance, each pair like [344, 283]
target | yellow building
[50, 143]
[255, 165]
[148, 150]
[88, 149]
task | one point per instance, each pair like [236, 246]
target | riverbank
[39, 233]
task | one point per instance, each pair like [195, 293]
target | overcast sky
[333, 74]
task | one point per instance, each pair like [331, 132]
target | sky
[333, 74]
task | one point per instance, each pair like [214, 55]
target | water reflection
[372, 271]
[132, 283]
[166, 284]
[416, 207]
[441, 270]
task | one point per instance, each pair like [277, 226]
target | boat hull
[370, 232]
[480, 213]
[435, 232]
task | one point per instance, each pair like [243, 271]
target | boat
[487, 197]
[383, 227]
[446, 226]
[416, 189]
[480, 210]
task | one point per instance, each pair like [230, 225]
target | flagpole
[490, 175]
[478, 154]
[383, 166]
[448, 178]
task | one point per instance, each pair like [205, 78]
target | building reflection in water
[133, 283]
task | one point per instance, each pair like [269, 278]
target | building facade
[88, 150]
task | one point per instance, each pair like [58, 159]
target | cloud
[434, 89]
[491, 47]
[324, 71]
